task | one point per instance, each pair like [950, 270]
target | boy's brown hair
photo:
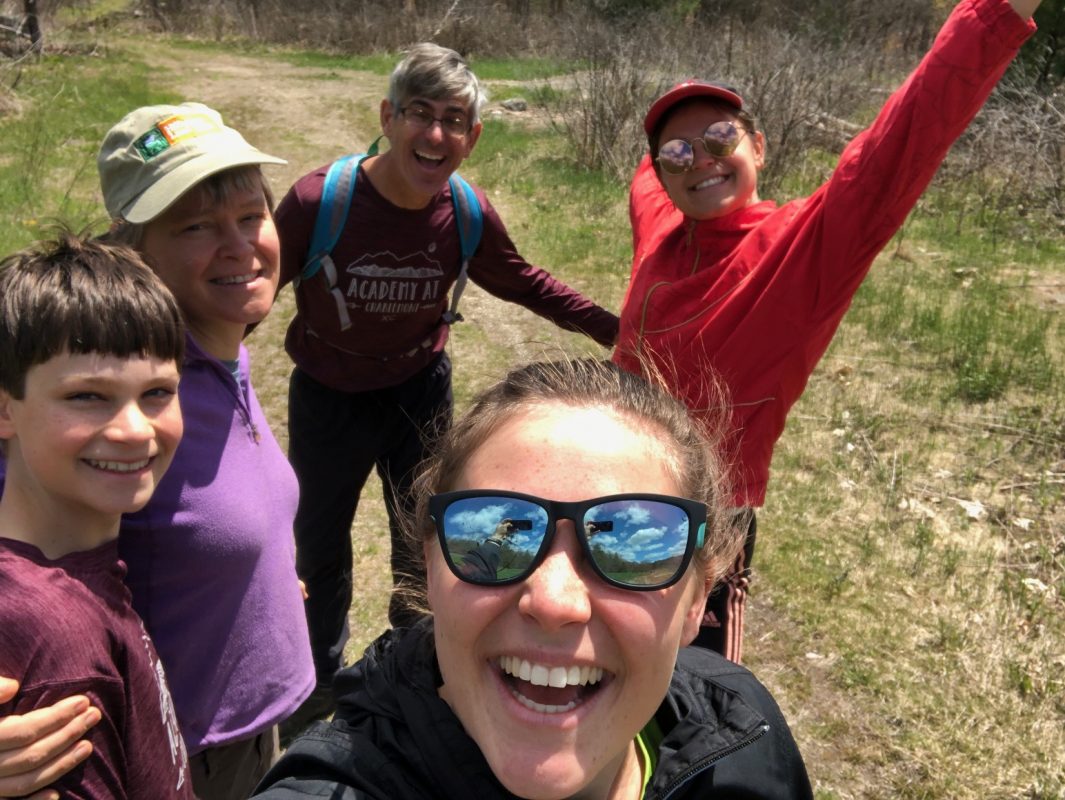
[79, 295]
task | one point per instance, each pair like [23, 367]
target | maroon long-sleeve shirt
[395, 267]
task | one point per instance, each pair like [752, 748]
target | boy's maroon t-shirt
[66, 628]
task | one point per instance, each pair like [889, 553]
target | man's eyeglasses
[633, 541]
[454, 123]
[720, 139]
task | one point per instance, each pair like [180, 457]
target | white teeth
[428, 156]
[540, 675]
[541, 707]
[714, 181]
[118, 466]
[233, 279]
[557, 677]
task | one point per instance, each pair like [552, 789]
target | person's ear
[472, 137]
[693, 617]
[758, 142]
[7, 421]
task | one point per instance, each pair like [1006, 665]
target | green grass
[378, 63]
[85, 13]
[520, 69]
[48, 152]
[980, 326]
[530, 165]
[487, 69]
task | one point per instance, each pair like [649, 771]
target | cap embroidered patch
[151, 144]
[173, 130]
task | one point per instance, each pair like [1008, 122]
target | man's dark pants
[335, 439]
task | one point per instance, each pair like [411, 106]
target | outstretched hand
[503, 530]
[43, 745]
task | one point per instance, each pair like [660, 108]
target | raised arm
[885, 169]
[39, 747]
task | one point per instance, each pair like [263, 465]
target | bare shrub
[800, 93]
[906, 24]
[811, 95]
[600, 108]
[361, 26]
[1008, 169]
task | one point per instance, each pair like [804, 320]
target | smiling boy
[90, 343]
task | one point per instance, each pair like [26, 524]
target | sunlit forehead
[599, 431]
[565, 452]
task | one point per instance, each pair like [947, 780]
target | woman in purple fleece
[211, 561]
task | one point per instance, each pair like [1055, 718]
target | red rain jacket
[758, 294]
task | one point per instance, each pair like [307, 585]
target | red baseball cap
[684, 90]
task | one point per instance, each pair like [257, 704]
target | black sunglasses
[632, 541]
[720, 139]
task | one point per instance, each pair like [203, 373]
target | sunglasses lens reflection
[637, 542]
[495, 539]
[719, 140]
[518, 525]
[675, 156]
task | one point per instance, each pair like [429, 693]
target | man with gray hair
[372, 381]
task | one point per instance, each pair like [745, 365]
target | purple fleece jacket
[212, 565]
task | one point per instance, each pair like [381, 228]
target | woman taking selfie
[571, 525]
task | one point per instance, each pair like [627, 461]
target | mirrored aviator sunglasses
[632, 541]
[720, 139]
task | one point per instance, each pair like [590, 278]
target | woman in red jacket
[724, 281]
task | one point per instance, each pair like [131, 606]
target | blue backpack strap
[337, 193]
[470, 221]
[339, 181]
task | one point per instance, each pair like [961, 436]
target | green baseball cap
[157, 153]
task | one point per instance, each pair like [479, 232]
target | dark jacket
[393, 738]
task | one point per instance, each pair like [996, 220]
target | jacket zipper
[683, 779]
[698, 252]
[242, 403]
